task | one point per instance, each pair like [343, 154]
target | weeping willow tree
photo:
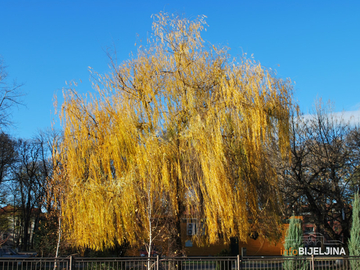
[180, 127]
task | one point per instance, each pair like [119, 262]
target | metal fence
[184, 263]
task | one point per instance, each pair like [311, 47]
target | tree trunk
[176, 248]
[25, 238]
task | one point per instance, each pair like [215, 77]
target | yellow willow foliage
[179, 126]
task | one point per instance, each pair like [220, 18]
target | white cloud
[352, 117]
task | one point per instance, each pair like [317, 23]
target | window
[194, 227]
[309, 230]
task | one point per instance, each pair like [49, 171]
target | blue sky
[48, 43]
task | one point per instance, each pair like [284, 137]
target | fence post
[157, 262]
[238, 262]
[70, 262]
[312, 262]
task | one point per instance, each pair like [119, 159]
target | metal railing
[183, 263]
[34, 263]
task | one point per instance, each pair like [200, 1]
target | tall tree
[354, 242]
[30, 174]
[48, 239]
[7, 158]
[293, 241]
[186, 117]
[7, 154]
[319, 178]
[354, 144]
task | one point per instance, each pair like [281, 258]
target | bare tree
[30, 174]
[354, 143]
[10, 95]
[7, 154]
[318, 179]
[7, 158]
[51, 202]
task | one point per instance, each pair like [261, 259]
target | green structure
[293, 241]
[354, 242]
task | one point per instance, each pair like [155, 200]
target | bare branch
[10, 96]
